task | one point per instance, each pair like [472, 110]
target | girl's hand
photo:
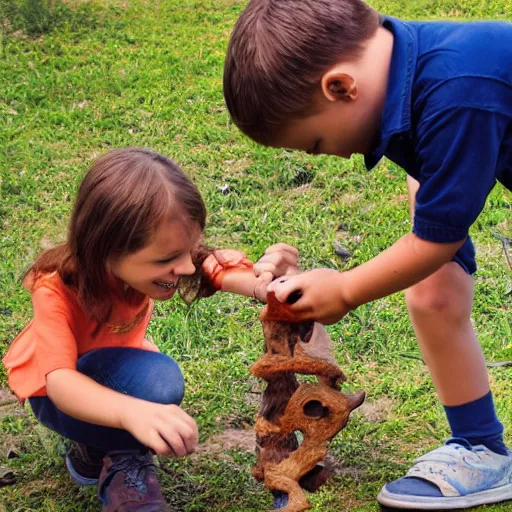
[229, 257]
[278, 260]
[165, 429]
[322, 295]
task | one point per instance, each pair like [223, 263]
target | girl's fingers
[229, 256]
[279, 258]
[175, 441]
[158, 444]
[283, 247]
[186, 427]
[193, 426]
[262, 267]
[191, 443]
[292, 271]
[266, 277]
[177, 411]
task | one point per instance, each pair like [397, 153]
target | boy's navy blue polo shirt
[448, 121]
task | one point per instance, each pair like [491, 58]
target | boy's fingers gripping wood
[285, 286]
[319, 295]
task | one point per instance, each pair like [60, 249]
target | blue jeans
[139, 373]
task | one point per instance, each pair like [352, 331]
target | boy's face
[336, 128]
[341, 123]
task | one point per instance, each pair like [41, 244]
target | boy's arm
[407, 262]
[328, 295]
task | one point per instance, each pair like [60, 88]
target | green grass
[149, 73]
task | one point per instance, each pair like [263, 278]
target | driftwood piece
[318, 410]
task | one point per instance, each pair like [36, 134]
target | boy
[334, 77]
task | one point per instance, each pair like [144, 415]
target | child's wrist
[121, 411]
[348, 291]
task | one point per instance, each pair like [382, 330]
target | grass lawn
[111, 73]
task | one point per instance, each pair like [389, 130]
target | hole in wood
[314, 409]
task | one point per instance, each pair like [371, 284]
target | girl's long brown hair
[122, 199]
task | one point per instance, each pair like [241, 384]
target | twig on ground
[492, 364]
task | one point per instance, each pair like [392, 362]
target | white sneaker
[467, 476]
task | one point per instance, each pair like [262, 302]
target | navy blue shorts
[465, 257]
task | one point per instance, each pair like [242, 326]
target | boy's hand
[322, 296]
[165, 429]
[278, 260]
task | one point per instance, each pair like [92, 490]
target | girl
[83, 361]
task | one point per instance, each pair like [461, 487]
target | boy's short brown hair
[278, 53]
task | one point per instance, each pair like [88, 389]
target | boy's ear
[338, 86]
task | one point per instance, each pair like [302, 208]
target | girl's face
[156, 269]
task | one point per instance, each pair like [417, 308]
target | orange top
[60, 333]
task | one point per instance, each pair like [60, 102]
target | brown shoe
[128, 483]
[84, 463]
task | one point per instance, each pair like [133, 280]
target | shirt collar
[397, 110]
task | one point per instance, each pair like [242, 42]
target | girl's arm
[166, 429]
[244, 282]
[84, 399]
[231, 272]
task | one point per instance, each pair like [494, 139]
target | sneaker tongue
[460, 441]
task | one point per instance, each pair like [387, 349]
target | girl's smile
[156, 269]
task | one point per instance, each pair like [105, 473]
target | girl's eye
[168, 260]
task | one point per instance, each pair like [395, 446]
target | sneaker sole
[77, 477]
[496, 495]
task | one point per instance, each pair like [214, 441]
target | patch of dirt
[455, 13]
[230, 439]
[378, 411]
[6, 397]
[236, 166]
[11, 409]
[349, 198]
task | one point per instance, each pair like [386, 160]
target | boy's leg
[440, 311]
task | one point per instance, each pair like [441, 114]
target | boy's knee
[449, 295]
[424, 299]
[164, 383]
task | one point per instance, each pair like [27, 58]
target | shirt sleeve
[458, 151]
[56, 346]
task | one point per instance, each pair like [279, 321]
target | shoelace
[135, 467]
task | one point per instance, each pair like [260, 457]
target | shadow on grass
[38, 17]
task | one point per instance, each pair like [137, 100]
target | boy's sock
[477, 423]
